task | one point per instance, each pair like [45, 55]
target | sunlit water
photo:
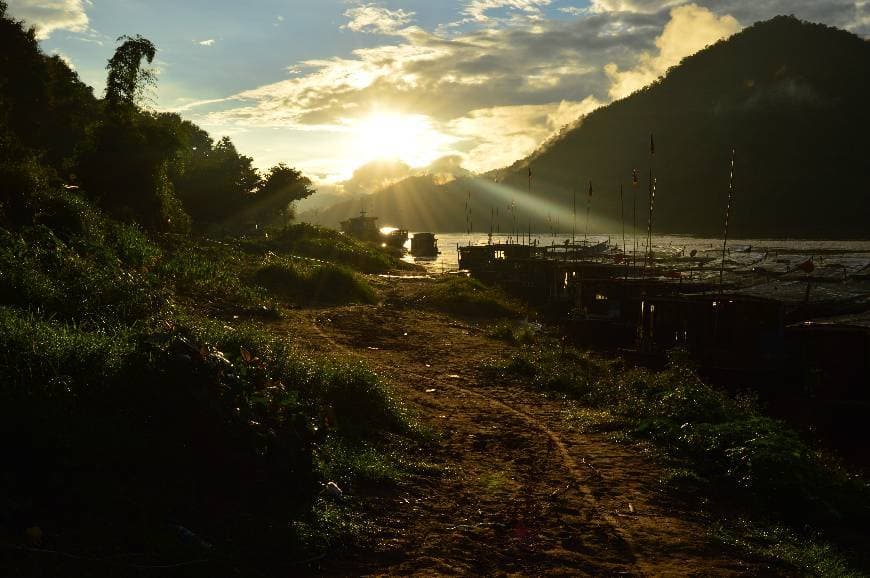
[855, 254]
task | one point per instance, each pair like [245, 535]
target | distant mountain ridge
[790, 97]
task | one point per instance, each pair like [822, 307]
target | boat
[424, 245]
[395, 237]
[363, 227]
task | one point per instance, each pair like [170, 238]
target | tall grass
[465, 296]
[305, 282]
[142, 407]
[326, 245]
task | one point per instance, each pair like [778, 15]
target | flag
[530, 171]
[634, 176]
[652, 145]
[590, 188]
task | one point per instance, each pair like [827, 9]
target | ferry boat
[364, 228]
[424, 245]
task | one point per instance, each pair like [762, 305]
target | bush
[328, 245]
[303, 282]
[466, 296]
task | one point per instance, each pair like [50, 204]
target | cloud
[209, 42]
[374, 19]
[690, 29]
[498, 136]
[50, 15]
[464, 85]
[375, 175]
[477, 10]
[494, 92]
[848, 14]
[66, 59]
[645, 6]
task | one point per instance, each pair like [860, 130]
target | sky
[331, 86]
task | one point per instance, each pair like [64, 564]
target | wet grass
[514, 332]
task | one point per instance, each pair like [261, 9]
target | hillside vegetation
[149, 415]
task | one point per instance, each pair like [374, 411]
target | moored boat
[424, 245]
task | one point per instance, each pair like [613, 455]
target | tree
[127, 162]
[214, 181]
[128, 81]
[278, 190]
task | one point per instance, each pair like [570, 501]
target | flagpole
[727, 216]
[622, 218]
[652, 200]
[588, 206]
[634, 216]
[574, 225]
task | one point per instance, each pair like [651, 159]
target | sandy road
[521, 493]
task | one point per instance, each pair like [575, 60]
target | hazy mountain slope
[417, 203]
[790, 97]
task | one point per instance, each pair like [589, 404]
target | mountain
[790, 98]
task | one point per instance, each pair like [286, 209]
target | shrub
[466, 296]
[302, 282]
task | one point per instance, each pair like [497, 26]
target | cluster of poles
[553, 224]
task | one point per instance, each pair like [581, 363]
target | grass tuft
[469, 297]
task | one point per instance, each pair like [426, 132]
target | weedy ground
[186, 401]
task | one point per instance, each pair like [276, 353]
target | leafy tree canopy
[128, 80]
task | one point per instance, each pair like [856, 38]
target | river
[851, 254]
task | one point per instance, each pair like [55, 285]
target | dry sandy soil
[520, 491]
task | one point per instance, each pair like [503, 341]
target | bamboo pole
[727, 217]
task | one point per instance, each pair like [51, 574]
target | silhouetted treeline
[138, 165]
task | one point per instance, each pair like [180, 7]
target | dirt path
[521, 493]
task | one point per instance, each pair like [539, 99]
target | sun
[410, 138]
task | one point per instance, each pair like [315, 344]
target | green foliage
[517, 333]
[214, 277]
[44, 107]
[125, 166]
[326, 244]
[809, 556]
[466, 296]
[278, 189]
[50, 359]
[214, 182]
[127, 80]
[304, 281]
[173, 411]
[73, 264]
[731, 445]
[142, 406]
